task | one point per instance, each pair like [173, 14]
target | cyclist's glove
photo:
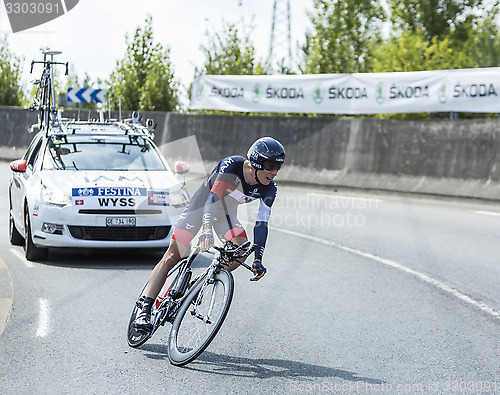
[207, 236]
[258, 268]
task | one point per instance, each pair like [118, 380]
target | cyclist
[234, 181]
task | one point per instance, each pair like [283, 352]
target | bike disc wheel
[134, 337]
[191, 334]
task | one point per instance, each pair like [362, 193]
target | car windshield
[73, 152]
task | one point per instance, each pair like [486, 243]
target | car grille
[119, 233]
[119, 212]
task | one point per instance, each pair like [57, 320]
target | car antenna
[120, 109]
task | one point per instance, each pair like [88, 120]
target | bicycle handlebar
[48, 62]
[236, 255]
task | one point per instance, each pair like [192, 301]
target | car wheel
[31, 251]
[15, 237]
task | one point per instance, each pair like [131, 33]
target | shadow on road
[262, 368]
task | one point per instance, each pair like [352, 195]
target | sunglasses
[271, 166]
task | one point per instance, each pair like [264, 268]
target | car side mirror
[19, 166]
[181, 167]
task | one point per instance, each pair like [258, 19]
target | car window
[32, 153]
[124, 153]
[32, 146]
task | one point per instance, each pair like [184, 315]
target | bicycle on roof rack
[49, 117]
[45, 98]
[196, 309]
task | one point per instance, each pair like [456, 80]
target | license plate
[120, 221]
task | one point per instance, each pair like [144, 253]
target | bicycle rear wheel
[195, 327]
[134, 337]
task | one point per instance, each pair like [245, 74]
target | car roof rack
[50, 119]
[106, 127]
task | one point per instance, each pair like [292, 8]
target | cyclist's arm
[260, 229]
[260, 232]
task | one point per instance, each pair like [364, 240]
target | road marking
[6, 299]
[21, 257]
[346, 197]
[44, 319]
[429, 280]
[492, 213]
[5, 307]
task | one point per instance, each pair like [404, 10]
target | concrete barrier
[453, 158]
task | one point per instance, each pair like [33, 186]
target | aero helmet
[266, 149]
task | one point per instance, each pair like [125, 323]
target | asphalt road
[364, 294]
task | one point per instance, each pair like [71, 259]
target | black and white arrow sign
[86, 95]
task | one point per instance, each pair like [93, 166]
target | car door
[20, 180]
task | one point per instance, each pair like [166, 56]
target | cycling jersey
[215, 205]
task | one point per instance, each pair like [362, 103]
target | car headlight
[54, 198]
[178, 198]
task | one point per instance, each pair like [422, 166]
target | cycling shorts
[226, 225]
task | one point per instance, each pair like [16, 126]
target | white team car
[94, 185]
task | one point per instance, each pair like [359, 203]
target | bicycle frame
[168, 307]
[46, 95]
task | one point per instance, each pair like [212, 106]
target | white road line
[492, 213]
[5, 309]
[44, 319]
[429, 280]
[2, 264]
[21, 257]
[5, 302]
[345, 197]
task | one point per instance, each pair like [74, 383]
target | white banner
[465, 90]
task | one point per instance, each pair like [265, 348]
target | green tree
[441, 34]
[144, 79]
[484, 45]
[11, 91]
[441, 18]
[344, 33]
[228, 54]
[412, 51]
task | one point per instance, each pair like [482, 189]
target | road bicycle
[196, 309]
[45, 99]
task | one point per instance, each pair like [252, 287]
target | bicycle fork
[209, 280]
[206, 319]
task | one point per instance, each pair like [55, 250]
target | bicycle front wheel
[195, 326]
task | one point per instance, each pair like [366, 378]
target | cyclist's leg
[176, 250]
[188, 225]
